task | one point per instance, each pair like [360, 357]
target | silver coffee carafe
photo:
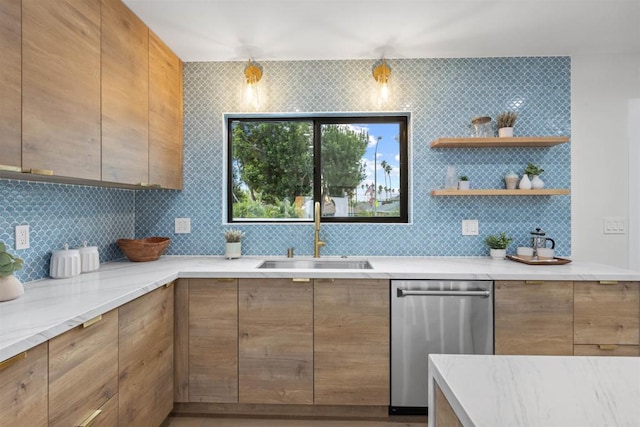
[539, 239]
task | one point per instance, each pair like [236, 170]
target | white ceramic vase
[511, 181]
[10, 288]
[525, 182]
[536, 182]
[505, 132]
[498, 254]
[232, 250]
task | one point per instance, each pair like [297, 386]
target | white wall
[605, 142]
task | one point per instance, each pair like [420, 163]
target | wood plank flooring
[400, 421]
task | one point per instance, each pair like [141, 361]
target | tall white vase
[536, 182]
[10, 288]
[525, 182]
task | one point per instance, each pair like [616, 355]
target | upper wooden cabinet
[83, 371]
[23, 389]
[61, 87]
[275, 351]
[125, 95]
[351, 342]
[533, 317]
[165, 115]
[146, 359]
[10, 84]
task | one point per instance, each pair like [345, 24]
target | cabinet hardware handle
[38, 171]
[608, 282]
[10, 168]
[301, 279]
[170, 284]
[92, 321]
[148, 184]
[607, 347]
[325, 280]
[225, 279]
[10, 361]
[534, 282]
[90, 419]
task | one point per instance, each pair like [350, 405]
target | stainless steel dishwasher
[434, 316]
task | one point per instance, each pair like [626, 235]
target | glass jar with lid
[481, 127]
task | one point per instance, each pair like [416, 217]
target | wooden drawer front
[607, 313]
[351, 342]
[23, 389]
[606, 350]
[534, 318]
[83, 370]
[275, 319]
[213, 340]
[146, 359]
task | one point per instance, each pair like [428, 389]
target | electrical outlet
[469, 227]
[22, 236]
[183, 226]
[614, 225]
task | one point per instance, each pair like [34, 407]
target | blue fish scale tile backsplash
[441, 95]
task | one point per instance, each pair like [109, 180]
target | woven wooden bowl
[142, 250]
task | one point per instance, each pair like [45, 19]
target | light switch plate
[469, 227]
[183, 226]
[614, 225]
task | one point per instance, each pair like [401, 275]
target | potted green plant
[10, 285]
[534, 172]
[505, 122]
[498, 244]
[233, 243]
[463, 182]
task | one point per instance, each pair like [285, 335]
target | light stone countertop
[537, 391]
[50, 307]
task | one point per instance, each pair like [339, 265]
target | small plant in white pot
[498, 244]
[463, 183]
[505, 122]
[534, 173]
[10, 286]
[233, 245]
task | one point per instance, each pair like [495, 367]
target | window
[356, 167]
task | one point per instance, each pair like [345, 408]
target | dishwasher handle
[480, 293]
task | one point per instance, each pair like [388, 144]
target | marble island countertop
[50, 307]
[537, 391]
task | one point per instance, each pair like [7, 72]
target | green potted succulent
[498, 244]
[10, 286]
[534, 172]
[233, 243]
[463, 182]
[505, 122]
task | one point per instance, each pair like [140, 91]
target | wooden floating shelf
[519, 141]
[498, 192]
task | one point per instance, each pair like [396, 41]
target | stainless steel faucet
[317, 243]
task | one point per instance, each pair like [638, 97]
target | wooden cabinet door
[351, 342]
[607, 313]
[146, 359]
[10, 85]
[165, 115]
[213, 340]
[61, 87]
[125, 95]
[83, 370]
[534, 317]
[275, 322]
[23, 389]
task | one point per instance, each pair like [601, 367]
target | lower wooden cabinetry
[146, 359]
[83, 372]
[351, 342]
[534, 317]
[443, 414]
[606, 350]
[23, 389]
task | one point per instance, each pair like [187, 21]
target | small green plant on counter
[233, 235]
[506, 119]
[533, 170]
[8, 263]
[498, 241]
[464, 178]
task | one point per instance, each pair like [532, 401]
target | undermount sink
[319, 263]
